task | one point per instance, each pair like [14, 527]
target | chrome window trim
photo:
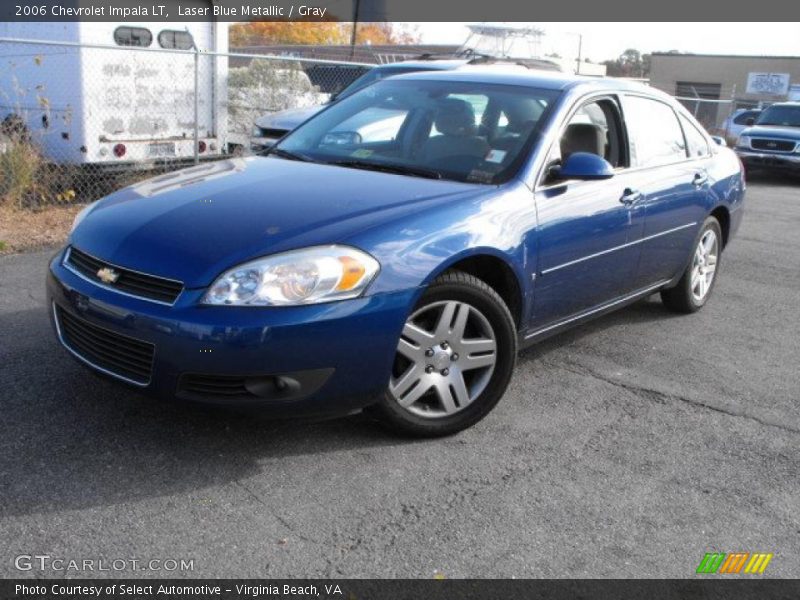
[93, 365]
[71, 269]
[620, 247]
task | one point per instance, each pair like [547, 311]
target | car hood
[193, 224]
[287, 120]
[772, 131]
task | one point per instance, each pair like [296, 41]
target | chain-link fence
[79, 120]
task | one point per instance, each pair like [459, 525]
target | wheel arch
[495, 270]
[723, 215]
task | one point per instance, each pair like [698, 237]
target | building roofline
[693, 55]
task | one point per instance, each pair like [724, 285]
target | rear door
[673, 185]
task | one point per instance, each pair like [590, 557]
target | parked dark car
[772, 141]
[403, 273]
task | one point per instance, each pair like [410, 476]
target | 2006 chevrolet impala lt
[395, 251]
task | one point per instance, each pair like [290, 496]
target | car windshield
[785, 116]
[471, 132]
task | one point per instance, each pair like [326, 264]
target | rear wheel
[454, 359]
[694, 288]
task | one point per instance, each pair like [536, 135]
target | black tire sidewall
[487, 302]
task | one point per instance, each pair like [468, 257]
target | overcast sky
[608, 40]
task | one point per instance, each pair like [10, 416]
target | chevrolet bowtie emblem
[107, 275]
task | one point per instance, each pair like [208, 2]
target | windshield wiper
[384, 168]
[281, 153]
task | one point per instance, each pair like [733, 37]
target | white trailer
[117, 94]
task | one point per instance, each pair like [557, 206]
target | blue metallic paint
[574, 249]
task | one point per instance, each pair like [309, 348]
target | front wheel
[454, 360]
[694, 288]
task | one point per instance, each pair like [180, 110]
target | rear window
[133, 36]
[175, 40]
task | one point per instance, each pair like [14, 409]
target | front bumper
[339, 354]
[768, 160]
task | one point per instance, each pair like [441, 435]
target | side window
[133, 36]
[595, 128]
[696, 143]
[654, 132]
[180, 40]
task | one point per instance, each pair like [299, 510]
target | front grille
[117, 354]
[130, 282]
[773, 145]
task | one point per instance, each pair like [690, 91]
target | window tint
[133, 36]
[655, 135]
[180, 40]
[696, 143]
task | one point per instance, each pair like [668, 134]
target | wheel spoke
[460, 325]
[446, 397]
[710, 268]
[399, 387]
[443, 324]
[478, 362]
[409, 350]
[418, 335]
[460, 389]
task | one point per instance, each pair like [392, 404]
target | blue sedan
[394, 252]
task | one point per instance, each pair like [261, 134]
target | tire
[690, 294]
[456, 384]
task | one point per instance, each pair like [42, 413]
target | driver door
[587, 230]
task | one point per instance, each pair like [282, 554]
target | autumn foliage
[260, 33]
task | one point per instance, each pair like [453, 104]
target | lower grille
[214, 385]
[774, 145]
[118, 355]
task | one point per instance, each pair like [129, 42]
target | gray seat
[455, 120]
[582, 137]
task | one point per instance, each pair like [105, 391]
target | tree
[631, 63]
[317, 33]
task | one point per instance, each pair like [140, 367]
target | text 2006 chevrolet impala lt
[397, 249]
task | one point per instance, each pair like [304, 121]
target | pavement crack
[663, 397]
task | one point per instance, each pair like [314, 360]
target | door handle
[699, 179]
[629, 196]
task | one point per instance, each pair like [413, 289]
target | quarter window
[176, 40]
[696, 143]
[654, 132]
[133, 36]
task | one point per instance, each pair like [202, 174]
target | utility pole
[580, 50]
[354, 32]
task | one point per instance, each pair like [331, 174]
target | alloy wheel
[445, 358]
[704, 265]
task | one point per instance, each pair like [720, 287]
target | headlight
[743, 141]
[81, 216]
[257, 132]
[309, 276]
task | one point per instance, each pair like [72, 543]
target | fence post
[196, 105]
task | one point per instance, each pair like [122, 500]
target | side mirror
[750, 121]
[584, 165]
[720, 141]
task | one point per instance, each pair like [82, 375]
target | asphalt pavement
[628, 447]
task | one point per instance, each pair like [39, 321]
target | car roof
[790, 103]
[515, 75]
[424, 65]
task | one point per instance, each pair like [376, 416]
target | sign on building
[771, 84]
